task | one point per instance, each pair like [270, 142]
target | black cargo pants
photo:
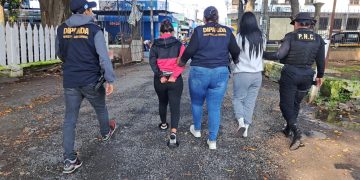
[295, 83]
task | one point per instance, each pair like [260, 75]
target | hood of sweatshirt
[166, 41]
[79, 20]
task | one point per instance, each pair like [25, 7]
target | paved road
[30, 135]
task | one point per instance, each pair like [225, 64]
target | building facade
[347, 16]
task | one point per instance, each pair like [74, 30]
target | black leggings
[169, 93]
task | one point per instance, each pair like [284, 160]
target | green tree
[14, 6]
[13, 10]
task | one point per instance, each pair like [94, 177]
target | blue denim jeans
[73, 99]
[246, 88]
[209, 84]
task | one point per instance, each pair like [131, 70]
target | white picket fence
[20, 45]
[25, 45]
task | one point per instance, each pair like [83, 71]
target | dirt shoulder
[31, 137]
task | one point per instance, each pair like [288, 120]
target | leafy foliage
[335, 91]
[13, 8]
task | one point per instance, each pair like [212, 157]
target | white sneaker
[212, 144]
[241, 127]
[194, 132]
[245, 134]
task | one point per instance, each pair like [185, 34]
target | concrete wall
[344, 54]
[279, 27]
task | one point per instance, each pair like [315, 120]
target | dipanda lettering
[79, 32]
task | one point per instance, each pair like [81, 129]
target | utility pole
[240, 13]
[152, 21]
[318, 6]
[196, 12]
[166, 7]
[120, 29]
[331, 28]
[265, 17]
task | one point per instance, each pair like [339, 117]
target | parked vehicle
[345, 39]
[26, 4]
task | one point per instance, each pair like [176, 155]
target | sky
[188, 7]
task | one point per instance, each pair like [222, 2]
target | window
[323, 23]
[309, 2]
[339, 37]
[354, 2]
[353, 36]
[352, 24]
[337, 24]
[280, 1]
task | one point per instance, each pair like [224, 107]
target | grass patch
[3, 68]
[34, 64]
[40, 63]
[347, 69]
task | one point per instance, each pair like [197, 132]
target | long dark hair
[250, 30]
[166, 26]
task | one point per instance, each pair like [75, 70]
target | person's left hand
[109, 88]
[171, 79]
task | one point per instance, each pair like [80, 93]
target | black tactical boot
[296, 141]
[287, 131]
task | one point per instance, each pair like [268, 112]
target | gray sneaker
[113, 127]
[71, 165]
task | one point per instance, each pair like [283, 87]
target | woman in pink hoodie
[168, 81]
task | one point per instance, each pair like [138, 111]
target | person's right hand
[109, 88]
[319, 82]
[163, 80]
[171, 79]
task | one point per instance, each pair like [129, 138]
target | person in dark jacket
[80, 44]
[209, 50]
[168, 81]
[298, 52]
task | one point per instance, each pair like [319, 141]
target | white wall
[341, 6]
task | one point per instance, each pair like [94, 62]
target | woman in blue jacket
[209, 50]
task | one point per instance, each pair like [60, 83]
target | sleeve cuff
[181, 63]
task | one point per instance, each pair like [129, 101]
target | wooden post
[47, 43]
[2, 16]
[2, 48]
[152, 21]
[52, 43]
[30, 43]
[41, 43]
[15, 36]
[36, 44]
[23, 48]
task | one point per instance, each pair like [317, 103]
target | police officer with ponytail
[209, 49]
[299, 50]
